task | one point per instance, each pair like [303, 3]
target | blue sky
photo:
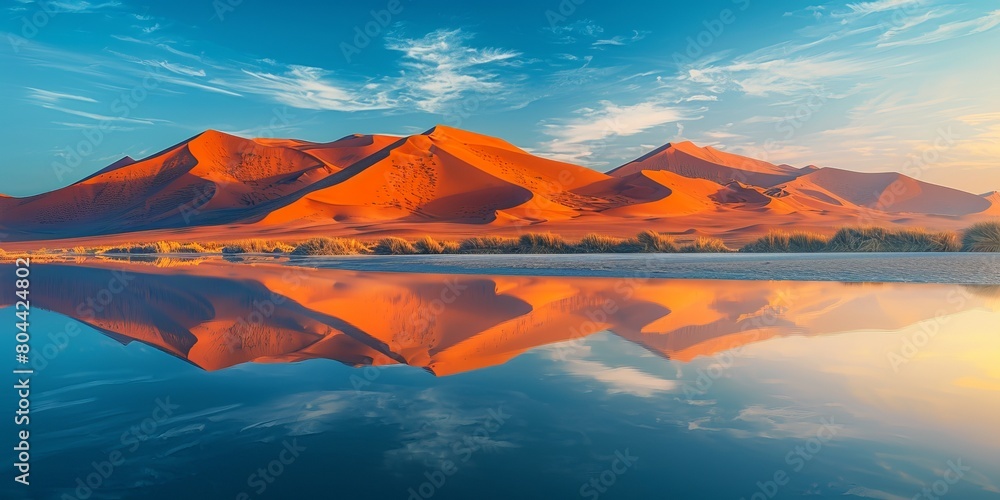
[901, 85]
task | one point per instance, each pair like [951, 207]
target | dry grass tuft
[598, 243]
[880, 239]
[982, 237]
[489, 244]
[542, 243]
[394, 246]
[780, 242]
[706, 245]
[330, 246]
[654, 242]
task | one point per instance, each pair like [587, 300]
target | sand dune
[453, 183]
[886, 192]
[689, 160]
[994, 199]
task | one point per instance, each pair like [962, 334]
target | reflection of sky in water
[539, 426]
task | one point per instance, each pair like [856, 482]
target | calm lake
[488, 377]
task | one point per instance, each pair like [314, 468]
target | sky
[883, 85]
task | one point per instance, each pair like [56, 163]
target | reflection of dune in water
[216, 314]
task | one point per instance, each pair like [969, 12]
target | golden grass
[428, 245]
[542, 243]
[256, 246]
[982, 237]
[394, 246]
[654, 242]
[331, 246]
[706, 245]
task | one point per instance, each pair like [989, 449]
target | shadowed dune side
[215, 314]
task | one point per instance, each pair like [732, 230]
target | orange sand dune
[686, 159]
[448, 174]
[994, 199]
[215, 314]
[451, 183]
[886, 192]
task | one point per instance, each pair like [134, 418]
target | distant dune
[454, 183]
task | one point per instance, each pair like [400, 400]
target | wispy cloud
[70, 6]
[47, 96]
[911, 22]
[951, 30]
[441, 67]
[622, 40]
[576, 139]
[306, 87]
[865, 8]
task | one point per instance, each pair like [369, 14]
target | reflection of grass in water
[984, 291]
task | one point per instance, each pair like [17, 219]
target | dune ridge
[448, 182]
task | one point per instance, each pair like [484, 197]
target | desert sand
[451, 183]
